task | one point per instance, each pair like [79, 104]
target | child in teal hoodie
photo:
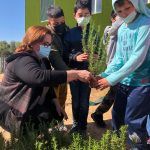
[130, 68]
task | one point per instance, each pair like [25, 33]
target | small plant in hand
[92, 43]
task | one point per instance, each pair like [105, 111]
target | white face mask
[130, 17]
[83, 21]
[44, 51]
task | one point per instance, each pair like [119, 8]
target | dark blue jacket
[73, 40]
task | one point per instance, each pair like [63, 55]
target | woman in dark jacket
[26, 91]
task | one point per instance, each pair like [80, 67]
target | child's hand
[103, 83]
[94, 82]
[82, 57]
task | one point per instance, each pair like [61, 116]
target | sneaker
[134, 138]
[98, 119]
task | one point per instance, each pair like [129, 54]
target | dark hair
[54, 12]
[113, 14]
[82, 4]
[120, 2]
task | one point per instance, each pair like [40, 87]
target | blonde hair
[34, 34]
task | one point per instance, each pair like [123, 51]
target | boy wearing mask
[79, 60]
[130, 68]
[56, 24]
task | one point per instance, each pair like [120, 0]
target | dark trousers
[148, 125]
[107, 101]
[131, 107]
[80, 103]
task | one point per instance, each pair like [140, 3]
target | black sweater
[24, 80]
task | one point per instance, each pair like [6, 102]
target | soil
[94, 131]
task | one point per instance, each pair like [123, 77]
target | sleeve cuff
[59, 77]
[111, 80]
[74, 57]
[103, 74]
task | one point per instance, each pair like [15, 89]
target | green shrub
[59, 141]
[92, 43]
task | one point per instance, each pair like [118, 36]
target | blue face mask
[44, 51]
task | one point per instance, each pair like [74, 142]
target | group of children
[127, 50]
[127, 74]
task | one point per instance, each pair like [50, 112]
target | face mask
[83, 21]
[60, 29]
[44, 51]
[130, 17]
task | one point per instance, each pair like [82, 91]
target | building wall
[32, 14]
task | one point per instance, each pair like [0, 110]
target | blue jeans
[131, 107]
[80, 103]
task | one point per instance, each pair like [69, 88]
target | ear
[74, 15]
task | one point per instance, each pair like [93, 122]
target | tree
[12, 46]
[4, 46]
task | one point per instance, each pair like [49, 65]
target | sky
[12, 20]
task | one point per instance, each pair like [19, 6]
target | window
[147, 1]
[44, 4]
[96, 6]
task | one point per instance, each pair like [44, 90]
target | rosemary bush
[92, 43]
[58, 141]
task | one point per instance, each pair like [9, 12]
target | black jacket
[57, 57]
[74, 47]
[21, 89]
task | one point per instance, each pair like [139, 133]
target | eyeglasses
[46, 44]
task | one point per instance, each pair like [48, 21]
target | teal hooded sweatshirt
[131, 63]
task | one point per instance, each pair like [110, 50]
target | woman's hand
[59, 109]
[85, 76]
[82, 75]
